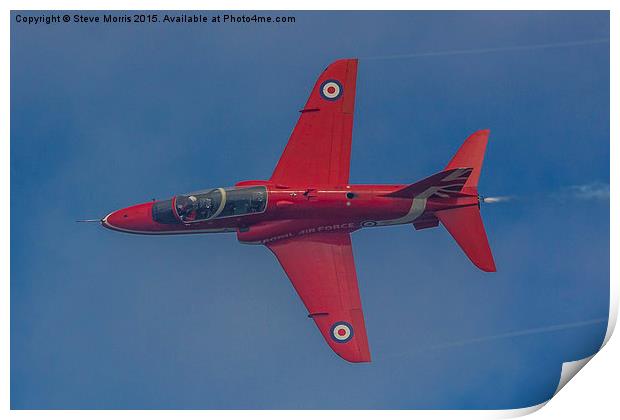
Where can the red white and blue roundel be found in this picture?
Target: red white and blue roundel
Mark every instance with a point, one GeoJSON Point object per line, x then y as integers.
{"type": "Point", "coordinates": [341, 332]}
{"type": "Point", "coordinates": [331, 89]}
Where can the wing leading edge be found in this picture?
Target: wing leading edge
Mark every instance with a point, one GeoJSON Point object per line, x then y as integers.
{"type": "Point", "coordinates": [322, 270]}
{"type": "Point", "coordinates": [319, 149]}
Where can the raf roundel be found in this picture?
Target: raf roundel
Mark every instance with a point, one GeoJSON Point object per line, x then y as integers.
{"type": "Point", "coordinates": [331, 90]}
{"type": "Point", "coordinates": [341, 332]}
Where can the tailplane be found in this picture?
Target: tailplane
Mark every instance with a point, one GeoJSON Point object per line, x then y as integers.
{"type": "Point", "coordinates": [465, 226]}
{"type": "Point", "coordinates": [464, 223]}
{"type": "Point", "coordinates": [455, 190]}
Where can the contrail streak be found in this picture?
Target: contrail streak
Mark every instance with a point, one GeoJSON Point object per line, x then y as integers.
{"type": "Point", "coordinates": [512, 334]}
{"type": "Point", "coordinates": [520, 333]}
{"type": "Point", "coordinates": [490, 50]}
{"type": "Point", "coordinates": [595, 191]}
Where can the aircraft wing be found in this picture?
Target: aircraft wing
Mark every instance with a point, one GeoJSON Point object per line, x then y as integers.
{"type": "Point", "coordinates": [322, 270]}
{"type": "Point", "coordinates": [319, 149]}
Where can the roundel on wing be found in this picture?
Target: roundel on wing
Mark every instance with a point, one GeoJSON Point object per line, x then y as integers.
{"type": "Point", "coordinates": [341, 332]}
{"type": "Point", "coordinates": [331, 90]}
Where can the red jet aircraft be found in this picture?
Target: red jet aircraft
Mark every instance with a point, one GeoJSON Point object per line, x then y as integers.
{"type": "Point", "coordinates": [305, 213]}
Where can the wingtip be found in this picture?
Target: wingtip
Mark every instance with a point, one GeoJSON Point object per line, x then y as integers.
{"type": "Point", "coordinates": [343, 60]}
{"type": "Point", "coordinates": [356, 354]}
{"type": "Point", "coordinates": [488, 267]}
{"type": "Point", "coordinates": [356, 359]}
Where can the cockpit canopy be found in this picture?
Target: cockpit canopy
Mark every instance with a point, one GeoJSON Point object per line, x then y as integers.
{"type": "Point", "coordinates": [211, 204]}
{"type": "Point", "coordinates": [193, 207]}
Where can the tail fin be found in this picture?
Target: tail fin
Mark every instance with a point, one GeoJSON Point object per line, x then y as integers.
{"type": "Point", "coordinates": [471, 155]}
{"type": "Point", "coordinates": [459, 178]}
{"type": "Point", "coordinates": [465, 226]}
{"type": "Point", "coordinates": [464, 223]}
{"type": "Point", "coordinates": [447, 183]}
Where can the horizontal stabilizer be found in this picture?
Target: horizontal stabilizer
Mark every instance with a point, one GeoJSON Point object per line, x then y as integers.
{"type": "Point", "coordinates": [465, 226]}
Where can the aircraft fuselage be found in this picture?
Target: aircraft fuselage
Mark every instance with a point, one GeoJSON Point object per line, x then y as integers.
{"type": "Point", "coordinates": [294, 211]}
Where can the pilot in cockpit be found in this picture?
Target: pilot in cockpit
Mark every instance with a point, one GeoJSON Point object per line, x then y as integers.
{"type": "Point", "coordinates": [205, 208]}
{"type": "Point", "coordinates": [186, 207]}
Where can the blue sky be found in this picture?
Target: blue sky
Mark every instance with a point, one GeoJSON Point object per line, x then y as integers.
{"type": "Point", "coordinates": [104, 116]}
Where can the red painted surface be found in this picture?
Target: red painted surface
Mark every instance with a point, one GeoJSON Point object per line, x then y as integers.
{"type": "Point", "coordinates": [324, 134]}
{"type": "Point", "coordinates": [137, 218]}
{"type": "Point", "coordinates": [310, 211]}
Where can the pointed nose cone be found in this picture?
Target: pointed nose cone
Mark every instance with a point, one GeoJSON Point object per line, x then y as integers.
{"type": "Point", "coordinates": [134, 219]}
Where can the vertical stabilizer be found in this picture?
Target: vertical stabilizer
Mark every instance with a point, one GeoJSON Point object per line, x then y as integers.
{"type": "Point", "coordinates": [471, 155]}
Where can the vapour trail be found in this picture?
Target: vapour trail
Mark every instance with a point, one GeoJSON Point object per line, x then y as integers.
{"type": "Point", "coordinates": [520, 333]}
{"type": "Point", "coordinates": [490, 50]}
{"type": "Point", "coordinates": [594, 191]}
{"type": "Point", "coordinates": [551, 328]}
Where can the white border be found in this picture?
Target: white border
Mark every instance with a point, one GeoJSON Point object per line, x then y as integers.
{"type": "Point", "coordinates": [595, 384]}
